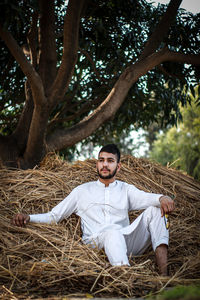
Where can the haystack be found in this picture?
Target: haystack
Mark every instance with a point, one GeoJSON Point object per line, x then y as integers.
{"type": "Point", "coordinates": [51, 261]}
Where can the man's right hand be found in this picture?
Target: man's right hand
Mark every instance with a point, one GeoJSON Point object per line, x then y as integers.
{"type": "Point", "coordinates": [20, 220]}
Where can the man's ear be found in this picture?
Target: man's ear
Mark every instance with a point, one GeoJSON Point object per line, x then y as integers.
{"type": "Point", "coordinates": [118, 166]}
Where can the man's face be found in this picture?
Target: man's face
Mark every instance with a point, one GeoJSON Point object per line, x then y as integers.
{"type": "Point", "coordinates": [107, 165]}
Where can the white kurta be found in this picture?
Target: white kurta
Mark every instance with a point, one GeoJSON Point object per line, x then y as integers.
{"type": "Point", "coordinates": [104, 212]}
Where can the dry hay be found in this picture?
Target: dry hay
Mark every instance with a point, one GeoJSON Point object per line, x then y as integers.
{"type": "Point", "coordinates": [43, 260]}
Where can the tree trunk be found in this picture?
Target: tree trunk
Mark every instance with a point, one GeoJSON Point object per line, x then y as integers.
{"type": "Point", "coordinates": [26, 147]}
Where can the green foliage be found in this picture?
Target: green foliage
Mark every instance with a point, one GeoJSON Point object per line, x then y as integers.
{"type": "Point", "coordinates": [180, 145]}
{"type": "Point", "coordinates": [180, 292]}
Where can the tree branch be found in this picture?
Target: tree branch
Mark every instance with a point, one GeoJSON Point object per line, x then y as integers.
{"type": "Point", "coordinates": [68, 137]}
{"type": "Point", "coordinates": [47, 44]}
{"type": "Point", "coordinates": [27, 68]}
{"type": "Point", "coordinates": [32, 39]}
{"type": "Point", "coordinates": [93, 65]}
{"type": "Point", "coordinates": [22, 130]}
{"type": "Point", "coordinates": [86, 107]}
{"type": "Point", "coordinates": [70, 48]}
{"type": "Point", "coordinates": [162, 29]}
{"type": "Point", "coordinates": [193, 59]}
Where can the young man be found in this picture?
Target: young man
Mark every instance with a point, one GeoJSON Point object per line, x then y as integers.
{"type": "Point", "coordinates": [103, 206]}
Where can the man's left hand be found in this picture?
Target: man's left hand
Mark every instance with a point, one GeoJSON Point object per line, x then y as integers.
{"type": "Point", "coordinates": [166, 205]}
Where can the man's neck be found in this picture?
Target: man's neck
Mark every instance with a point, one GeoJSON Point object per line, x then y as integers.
{"type": "Point", "coordinates": [107, 181]}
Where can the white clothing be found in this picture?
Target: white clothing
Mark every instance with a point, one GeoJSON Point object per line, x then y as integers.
{"type": "Point", "coordinates": [104, 210]}
{"type": "Point", "coordinates": [149, 228]}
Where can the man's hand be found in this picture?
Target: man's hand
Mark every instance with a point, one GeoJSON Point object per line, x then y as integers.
{"type": "Point", "coordinates": [20, 220]}
{"type": "Point", "coordinates": [166, 205]}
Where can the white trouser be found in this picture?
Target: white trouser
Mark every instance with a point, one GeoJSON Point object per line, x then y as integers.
{"type": "Point", "coordinates": [149, 228]}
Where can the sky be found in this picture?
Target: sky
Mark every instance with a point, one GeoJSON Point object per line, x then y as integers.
{"type": "Point", "coordinates": [190, 5]}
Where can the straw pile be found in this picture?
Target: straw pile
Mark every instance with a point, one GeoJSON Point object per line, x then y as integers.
{"type": "Point", "coordinates": [50, 260]}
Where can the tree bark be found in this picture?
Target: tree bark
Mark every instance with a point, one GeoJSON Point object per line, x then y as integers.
{"type": "Point", "coordinates": [22, 130]}
{"type": "Point", "coordinates": [36, 146]}
{"type": "Point", "coordinates": [32, 39]}
{"type": "Point", "coordinates": [47, 44]}
{"type": "Point", "coordinates": [70, 48]}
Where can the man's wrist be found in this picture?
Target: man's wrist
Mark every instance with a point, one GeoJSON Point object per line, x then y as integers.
{"type": "Point", "coordinates": [164, 197]}
{"type": "Point", "coordinates": [161, 197]}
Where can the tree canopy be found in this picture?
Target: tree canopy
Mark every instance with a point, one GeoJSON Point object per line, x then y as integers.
{"type": "Point", "coordinates": [87, 68]}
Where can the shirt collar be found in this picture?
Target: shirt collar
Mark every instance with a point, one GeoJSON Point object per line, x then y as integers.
{"type": "Point", "coordinates": [111, 185]}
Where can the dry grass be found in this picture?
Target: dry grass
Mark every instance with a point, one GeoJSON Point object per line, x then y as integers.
{"type": "Point", "coordinates": [50, 260]}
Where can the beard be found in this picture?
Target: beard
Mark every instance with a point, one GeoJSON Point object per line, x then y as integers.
{"type": "Point", "coordinates": [109, 176]}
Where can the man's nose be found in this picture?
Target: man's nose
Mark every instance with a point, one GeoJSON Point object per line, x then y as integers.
{"type": "Point", "coordinates": [105, 163]}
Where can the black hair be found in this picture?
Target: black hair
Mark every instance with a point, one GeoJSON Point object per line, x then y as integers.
{"type": "Point", "coordinates": [111, 148]}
